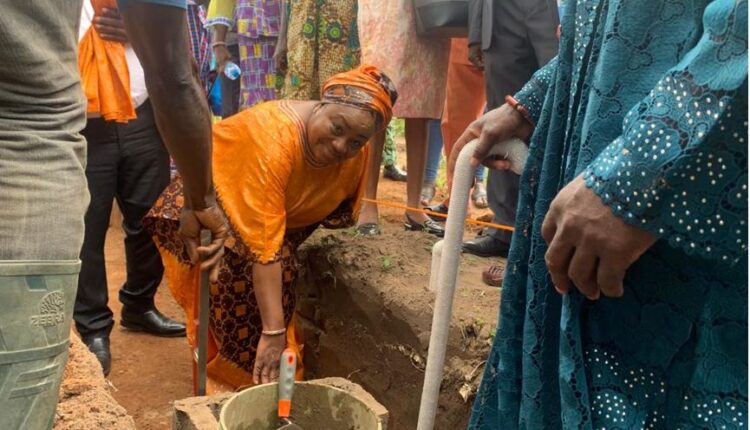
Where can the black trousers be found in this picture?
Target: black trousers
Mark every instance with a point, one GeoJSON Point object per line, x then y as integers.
{"type": "Point", "coordinates": [127, 163]}
{"type": "Point", "coordinates": [523, 39]}
{"type": "Point", "coordinates": [230, 89]}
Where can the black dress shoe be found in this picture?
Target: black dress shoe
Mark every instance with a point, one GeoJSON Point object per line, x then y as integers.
{"type": "Point", "coordinates": [440, 208]}
{"type": "Point", "coordinates": [99, 346]}
{"type": "Point", "coordinates": [151, 321]}
{"type": "Point", "coordinates": [393, 173]}
{"type": "Point", "coordinates": [368, 229]}
{"type": "Point", "coordinates": [428, 226]}
{"type": "Point", "coordinates": [486, 246]}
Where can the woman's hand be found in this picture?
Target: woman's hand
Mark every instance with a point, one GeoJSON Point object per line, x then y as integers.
{"type": "Point", "coordinates": [589, 246]}
{"type": "Point", "coordinates": [223, 56]}
{"type": "Point", "coordinates": [476, 56]}
{"type": "Point", "coordinates": [279, 59]}
{"type": "Point", "coordinates": [267, 358]}
{"type": "Point", "coordinates": [110, 27]}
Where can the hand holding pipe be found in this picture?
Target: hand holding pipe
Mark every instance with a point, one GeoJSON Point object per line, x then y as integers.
{"type": "Point", "coordinates": [443, 277]}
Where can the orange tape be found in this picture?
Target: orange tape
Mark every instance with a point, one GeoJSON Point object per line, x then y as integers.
{"type": "Point", "coordinates": [437, 214]}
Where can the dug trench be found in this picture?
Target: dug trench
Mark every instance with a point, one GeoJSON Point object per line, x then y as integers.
{"type": "Point", "coordinates": [365, 310]}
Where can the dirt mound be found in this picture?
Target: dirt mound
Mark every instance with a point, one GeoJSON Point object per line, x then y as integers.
{"type": "Point", "coordinates": [85, 400]}
{"type": "Point", "coordinates": [366, 311]}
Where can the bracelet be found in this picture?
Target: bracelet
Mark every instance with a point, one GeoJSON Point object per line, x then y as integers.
{"type": "Point", "coordinates": [215, 44]}
{"type": "Point", "coordinates": [273, 332]}
{"type": "Point", "coordinates": [512, 102]}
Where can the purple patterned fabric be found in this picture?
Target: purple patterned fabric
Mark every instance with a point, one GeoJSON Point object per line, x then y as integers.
{"type": "Point", "coordinates": [199, 39]}
{"type": "Point", "coordinates": [258, 70]}
{"type": "Point", "coordinates": [258, 18]}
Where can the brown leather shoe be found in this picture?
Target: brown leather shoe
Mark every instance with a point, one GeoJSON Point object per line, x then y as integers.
{"type": "Point", "coordinates": [493, 276]}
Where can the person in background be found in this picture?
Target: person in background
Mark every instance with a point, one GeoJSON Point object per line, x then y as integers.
{"type": "Point", "coordinates": [223, 53]}
{"type": "Point", "coordinates": [43, 198]}
{"type": "Point", "coordinates": [464, 103]}
{"type": "Point", "coordinates": [625, 301]}
{"type": "Point", "coordinates": [200, 44]}
{"type": "Point", "coordinates": [126, 162]}
{"type": "Point", "coordinates": [418, 67]}
{"type": "Point", "coordinates": [434, 151]}
{"type": "Point", "coordinates": [283, 168]}
{"type": "Point", "coordinates": [510, 40]}
{"type": "Point", "coordinates": [257, 24]}
{"type": "Point", "coordinates": [318, 39]}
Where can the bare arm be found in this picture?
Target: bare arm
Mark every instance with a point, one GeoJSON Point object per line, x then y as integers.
{"type": "Point", "coordinates": [279, 55]}
{"type": "Point", "coordinates": [267, 284]}
{"type": "Point", "coordinates": [159, 37]}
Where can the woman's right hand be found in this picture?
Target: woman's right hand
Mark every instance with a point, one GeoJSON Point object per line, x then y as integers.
{"type": "Point", "coordinates": [279, 59]}
{"type": "Point", "coordinates": [267, 358]}
{"type": "Point", "coordinates": [494, 127]}
{"type": "Point", "coordinates": [223, 56]}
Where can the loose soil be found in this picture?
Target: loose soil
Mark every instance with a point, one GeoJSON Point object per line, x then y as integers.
{"type": "Point", "coordinates": [366, 312]}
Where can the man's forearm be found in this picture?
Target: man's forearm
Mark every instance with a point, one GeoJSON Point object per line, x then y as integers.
{"type": "Point", "coordinates": [159, 37]}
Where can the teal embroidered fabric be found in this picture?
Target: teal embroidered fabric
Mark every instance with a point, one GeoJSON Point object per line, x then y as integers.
{"type": "Point", "coordinates": [647, 99]}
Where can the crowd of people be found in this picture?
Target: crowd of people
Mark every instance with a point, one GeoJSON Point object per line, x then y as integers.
{"type": "Point", "coordinates": [624, 300]}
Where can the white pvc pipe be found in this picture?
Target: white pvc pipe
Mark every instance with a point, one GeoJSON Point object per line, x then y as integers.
{"type": "Point", "coordinates": [437, 253]}
{"type": "Point", "coordinates": [444, 276]}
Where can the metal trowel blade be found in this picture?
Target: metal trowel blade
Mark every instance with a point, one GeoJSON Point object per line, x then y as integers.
{"type": "Point", "coordinates": [288, 425]}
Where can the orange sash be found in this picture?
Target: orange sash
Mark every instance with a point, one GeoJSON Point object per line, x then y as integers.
{"type": "Point", "coordinates": [104, 73]}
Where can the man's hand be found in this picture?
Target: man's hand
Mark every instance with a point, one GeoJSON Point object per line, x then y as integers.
{"type": "Point", "coordinates": [266, 367]}
{"type": "Point", "coordinates": [110, 27]}
{"type": "Point", "coordinates": [494, 127]}
{"type": "Point", "coordinates": [223, 56]}
{"type": "Point", "coordinates": [589, 246]}
{"type": "Point", "coordinates": [476, 56]}
{"type": "Point", "coordinates": [191, 223]}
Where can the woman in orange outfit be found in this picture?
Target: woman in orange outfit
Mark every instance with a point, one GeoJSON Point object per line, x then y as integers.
{"type": "Point", "coordinates": [281, 169]}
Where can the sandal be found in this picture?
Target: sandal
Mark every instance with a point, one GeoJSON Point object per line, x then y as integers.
{"type": "Point", "coordinates": [479, 195]}
{"type": "Point", "coordinates": [368, 229]}
{"type": "Point", "coordinates": [429, 226]}
{"type": "Point", "coordinates": [493, 276]}
{"type": "Point", "coordinates": [428, 193]}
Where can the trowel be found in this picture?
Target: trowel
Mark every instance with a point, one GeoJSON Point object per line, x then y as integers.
{"type": "Point", "coordinates": [287, 369]}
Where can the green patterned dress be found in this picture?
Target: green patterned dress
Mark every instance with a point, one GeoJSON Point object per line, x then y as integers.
{"type": "Point", "coordinates": [322, 40]}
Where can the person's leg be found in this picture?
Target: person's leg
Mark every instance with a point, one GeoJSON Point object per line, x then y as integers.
{"type": "Point", "coordinates": [416, 157]}
{"type": "Point", "coordinates": [43, 198]}
{"type": "Point", "coordinates": [434, 150]}
{"type": "Point", "coordinates": [368, 215]}
{"type": "Point", "coordinates": [390, 157]}
{"type": "Point", "coordinates": [143, 177]}
{"type": "Point", "coordinates": [464, 98]}
{"type": "Point", "coordinates": [92, 315]}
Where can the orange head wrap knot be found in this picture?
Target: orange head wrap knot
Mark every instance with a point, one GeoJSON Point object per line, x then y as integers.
{"type": "Point", "coordinates": [365, 87]}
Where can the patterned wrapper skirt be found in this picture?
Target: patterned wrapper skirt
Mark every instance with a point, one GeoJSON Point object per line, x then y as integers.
{"type": "Point", "coordinates": [234, 320]}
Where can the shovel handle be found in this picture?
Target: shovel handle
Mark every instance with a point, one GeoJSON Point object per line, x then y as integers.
{"type": "Point", "coordinates": [287, 369]}
{"type": "Point", "coordinates": [203, 322]}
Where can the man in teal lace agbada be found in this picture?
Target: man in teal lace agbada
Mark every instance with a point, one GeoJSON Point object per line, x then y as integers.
{"type": "Point", "coordinates": [625, 300]}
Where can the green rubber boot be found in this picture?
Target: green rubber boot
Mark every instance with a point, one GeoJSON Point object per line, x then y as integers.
{"type": "Point", "coordinates": [36, 309]}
